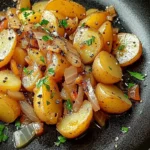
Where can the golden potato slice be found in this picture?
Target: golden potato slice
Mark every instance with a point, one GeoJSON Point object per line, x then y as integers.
{"type": "Point", "coordinates": [106, 68]}
{"type": "Point", "coordinates": [9, 81]}
{"type": "Point", "coordinates": [91, 10]}
{"type": "Point", "coordinates": [57, 67]}
{"type": "Point", "coordinates": [88, 43]}
{"type": "Point", "coordinates": [112, 99]}
{"type": "Point", "coordinates": [47, 101]}
{"type": "Point", "coordinates": [30, 76]}
{"type": "Point", "coordinates": [107, 32]}
{"type": "Point", "coordinates": [75, 124]}
{"type": "Point", "coordinates": [8, 41]}
{"type": "Point", "coordinates": [94, 20]}
{"type": "Point", "coordinates": [9, 108]}
{"type": "Point", "coordinates": [53, 18]}
{"type": "Point", "coordinates": [39, 6]}
{"type": "Point", "coordinates": [127, 49]}
{"type": "Point", "coordinates": [30, 16]}
{"type": "Point", "coordinates": [67, 8]}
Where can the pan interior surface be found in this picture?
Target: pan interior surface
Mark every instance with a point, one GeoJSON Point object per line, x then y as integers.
{"type": "Point", "coordinates": [134, 17]}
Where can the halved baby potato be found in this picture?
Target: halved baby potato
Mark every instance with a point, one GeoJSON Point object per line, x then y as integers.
{"type": "Point", "coordinates": [106, 68]}
{"type": "Point", "coordinates": [39, 6]}
{"type": "Point", "coordinates": [94, 20]}
{"type": "Point", "coordinates": [88, 42]}
{"type": "Point", "coordinates": [8, 40]}
{"type": "Point", "coordinates": [9, 81]}
{"type": "Point", "coordinates": [107, 32]}
{"type": "Point", "coordinates": [127, 49]}
{"type": "Point", "coordinates": [73, 125]}
{"type": "Point", "coordinates": [47, 101]}
{"type": "Point", "coordinates": [53, 17]}
{"type": "Point", "coordinates": [67, 8]}
{"type": "Point", "coordinates": [9, 108]}
{"type": "Point", "coordinates": [112, 99]}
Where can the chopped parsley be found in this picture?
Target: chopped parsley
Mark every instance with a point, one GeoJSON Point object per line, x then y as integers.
{"type": "Point", "coordinates": [26, 14]}
{"type": "Point", "coordinates": [126, 96]}
{"type": "Point", "coordinates": [42, 59]}
{"type": "Point", "coordinates": [137, 75]}
{"type": "Point", "coordinates": [17, 124]}
{"type": "Point", "coordinates": [47, 37]}
{"type": "Point", "coordinates": [110, 68]}
{"type": "Point", "coordinates": [44, 22]}
{"type": "Point", "coordinates": [124, 129]}
{"type": "Point", "coordinates": [43, 81]}
{"type": "Point", "coordinates": [47, 102]}
{"type": "Point", "coordinates": [60, 140]}
{"type": "Point", "coordinates": [24, 9]}
{"type": "Point", "coordinates": [27, 72]}
{"type": "Point", "coordinates": [130, 85]}
{"type": "Point", "coordinates": [51, 71]}
{"type": "Point", "coordinates": [52, 95]}
{"type": "Point", "coordinates": [69, 105]}
{"type": "Point", "coordinates": [63, 23]}
{"type": "Point", "coordinates": [83, 25]}
{"type": "Point", "coordinates": [121, 47]}
{"type": "Point", "coordinates": [3, 134]}
{"type": "Point", "coordinates": [90, 41]}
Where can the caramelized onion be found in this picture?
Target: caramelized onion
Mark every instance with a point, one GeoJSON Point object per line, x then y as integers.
{"type": "Point", "coordinates": [16, 95]}
{"type": "Point", "coordinates": [133, 93]}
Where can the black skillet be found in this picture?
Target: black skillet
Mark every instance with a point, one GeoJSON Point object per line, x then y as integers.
{"type": "Point", "coordinates": [134, 17]}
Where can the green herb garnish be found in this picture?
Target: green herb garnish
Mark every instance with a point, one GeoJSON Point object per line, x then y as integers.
{"type": "Point", "coordinates": [63, 23]}
{"type": "Point", "coordinates": [47, 37]}
{"type": "Point", "coordinates": [124, 129]}
{"type": "Point", "coordinates": [27, 72]}
{"type": "Point", "coordinates": [26, 14]}
{"type": "Point", "coordinates": [52, 95]}
{"type": "Point", "coordinates": [17, 124]}
{"type": "Point", "coordinates": [130, 85]}
{"type": "Point", "coordinates": [51, 71]}
{"type": "Point", "coordinates": [90, 41]}
{"type": "Point", "coordinates": [121, 47]}
{"type": "Point", "coordinates": [42, 59]}
{"type": "Point", "coordinates": [44, 22]}
{"type": "Point", "coordinates": [47, 102]}
{"type": "Point", "coordinates": [83, 25]}
{"type": "Point", "coordinates": [110, 68]}
{"type": "Point", "coordinates": [3, 134]}
{"type": "Point", "coordinates": [126, 96]}
{"type": "Point", "coordinates": [69, 105]}
{"type": "Point", "coordinates": [24, 9]}
{"type": "Point", "coordinates": [137, 75]}
{"type": "Point", "coordinates": [43, 81]}
{"type": "Point", "coordinates": [60, 140]}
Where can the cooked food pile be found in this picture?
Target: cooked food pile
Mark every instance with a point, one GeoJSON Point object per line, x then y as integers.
{"type": "Point", "coordinates": [59, 65]}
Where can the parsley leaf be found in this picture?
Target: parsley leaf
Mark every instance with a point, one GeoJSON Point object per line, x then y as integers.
{"type": "Point", "coordinates": [126, 96]}
{"type": "Point", "coordinates": [51, 71]}
{"type": "Point", "coordinates": [130, 85]}
{"type": "Point", "coordinates": [47, 102]}
{"type": "Point", "coordinates": [43, 81]}
{"type": "Point", "coordinates": [47, 37]}
{"type": "Point", "coordinates": [27, 72]}
{"type": "Point", "coordinates": [3, 136]}
{"type": "Point", "coordinates": [44, 22]}
{"type": "Point", "coordinates": [24, 9]}
{"type": "Point", "coordinates": [90, 41]}
{"type": "Point", "coordinates": [17, 124]}
{"type": "Point", "coordinates": [69, 105]}
{"type": "Point", "coordinates": [42, 59]}
{"type": "Point", "coordinates": [137, 75]}
{"type": "Point", "coordinates": [60, 140]}
{"type": "Point", "coordinates": [2, 127]}
{"type": "Point", "coordinates": [110, 68]}
{"type": "Point", "coordinates": [26, 14]}
{"type": "Point", "coordinates": [52, 95]}
{"type": "Point", "coordinates": [124, 129]}
{"type": "Point", "coordinates": [83, 25]}
{"type": "Point", "coordinates": [63, 23]}
{"type": "Point", "coordinates": [121, 47]}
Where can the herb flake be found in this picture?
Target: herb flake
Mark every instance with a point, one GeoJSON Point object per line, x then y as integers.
{"type": "Point", "coordinates": [27, 72]}
{"type": "Point", "coordinates": [63, 23]}
{"type": "Point", "coordinates": [130, 85]}
{"type": "Point", "coordinates": [47, 102]}
{"type": "Point", "coordinates": [42, 59]}
{"type": "Point", "coordinates": [137, 75]}
{"type": "Point", "coordinates": [126, 96]}
{"type": "Point", "coordinates": [60, 140]}
{"type": "Point", "coordinates": [121, 47]}
{"type": "Point", "coordinates": [69, 105]}
{"type": "Point", "coordinates": [90, 41]}
{"type": "Point", "coordinates": [3, 134]}
{"type": "Point", "coordinates": [17, 124]}
{"type": "Point", "coordinates": [124, 129]}
{"type": "Point", "coordinates": [24, 9]}
{"type": "Point", "coordinates": [43, 81]}
{"type": "Point", "coordinates": [44, 22]}
{"type": "Point", "coordinates": [51, 71]}
{"type": "Point", "coordinates": [47, 38]}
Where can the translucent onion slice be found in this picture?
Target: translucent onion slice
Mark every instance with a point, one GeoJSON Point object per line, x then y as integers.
{"type": "Point", "coordinates": [16, 95]}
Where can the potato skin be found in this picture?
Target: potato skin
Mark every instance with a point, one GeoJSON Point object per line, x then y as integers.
{"type": "Point", "coordinates": [112, 99]}
{"type": "Point", "coordinates": [88, 51]}
{"type": "Point", "coordinates": [73, 125]}
{"type": "Point", "coordinates": [9, 108]}
{"type": "Point", "coordinates": [106, 68]}
{"type": "Point", "coordinates": [48, 104]}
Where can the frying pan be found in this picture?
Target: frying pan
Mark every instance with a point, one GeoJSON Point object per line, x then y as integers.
{"type": "Point", "coordinates": [134, 17]}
